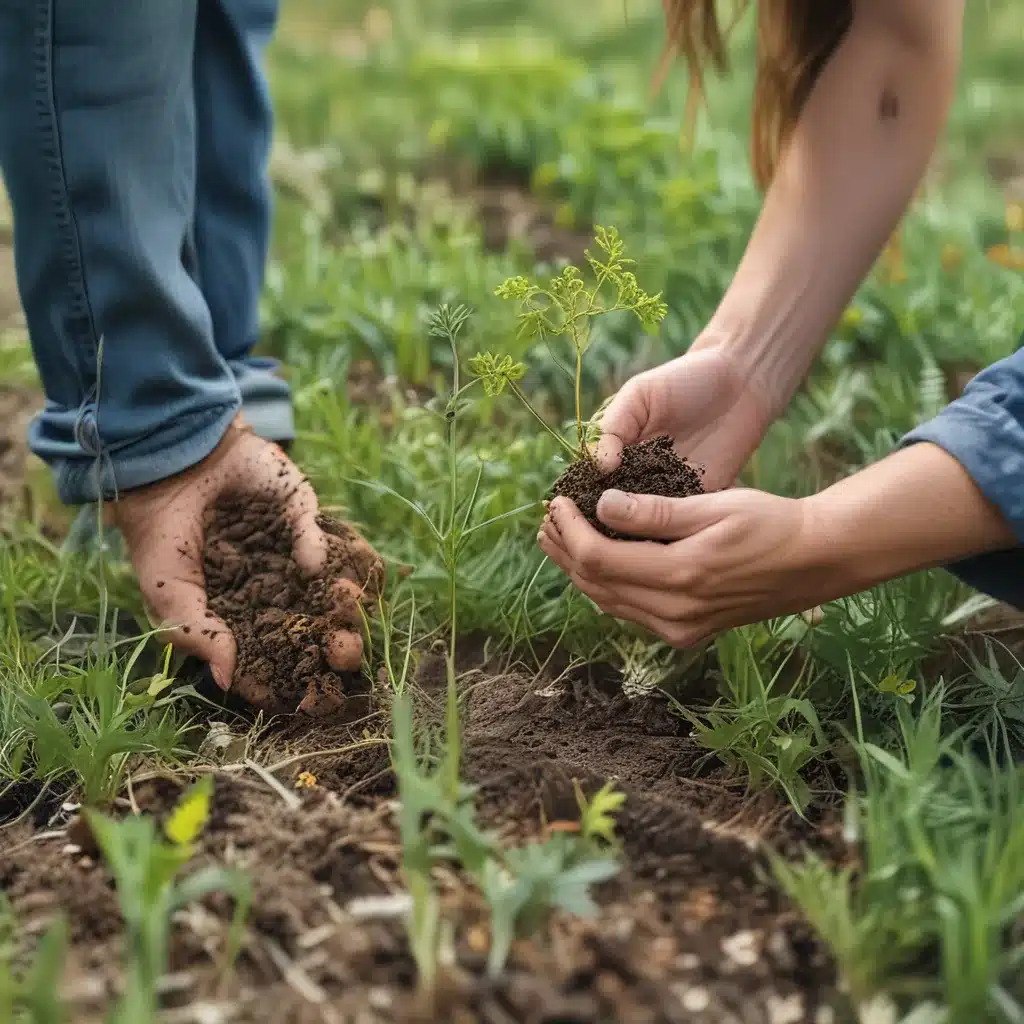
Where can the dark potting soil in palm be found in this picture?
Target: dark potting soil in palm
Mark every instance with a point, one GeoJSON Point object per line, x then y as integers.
{"type": "Point", "coordinates": [281, 619]}
{"type": "Point", "coordinates": [647, 467]}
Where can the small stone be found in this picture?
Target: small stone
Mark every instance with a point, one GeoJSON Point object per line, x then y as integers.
{"type": "Point", "coordinates": [785, 1010]}
{"type": "Point", "coordinates": [662, 949]}
{"type": "Point", "coordinates": [379, 998]}
{"type": "Point", "coordinates": [781, 951]}
{"type": "Point", "coordinates": [741, 948]}
{"type": "Point", "coordinates": [694, 998]}
{"type": "Point", "coordinates": [688, 961]}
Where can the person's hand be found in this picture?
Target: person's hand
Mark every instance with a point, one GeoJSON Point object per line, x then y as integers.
{"type": "Point", "coordinates": [703, 401]}
{"type": "Point", "coordinates": [738, 556]}
{"type": "Point", "coordinates": [163, 528]}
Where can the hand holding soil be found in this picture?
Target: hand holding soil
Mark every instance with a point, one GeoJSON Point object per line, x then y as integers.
{"type": "Point", "coordinates": [236, 557]}
{"type": "Point", "coordinates": [702, 401]}
{"type": "Point", "coordinates": [735, 557]}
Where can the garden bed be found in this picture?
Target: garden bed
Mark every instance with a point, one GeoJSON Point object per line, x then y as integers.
{"type": "Point", "coordinates": [692, 929]}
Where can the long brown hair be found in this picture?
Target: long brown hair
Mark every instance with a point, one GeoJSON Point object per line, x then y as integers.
{"type": "Point", "coordinates": [795, 39]}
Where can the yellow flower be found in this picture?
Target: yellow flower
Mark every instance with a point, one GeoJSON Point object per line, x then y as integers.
{"type": "Point", "coordinates": [306, 780]}
{"type": "Point", "coordinates": [439, 132]}
{"type": "Point", "coordinates": [852, 318]}
{"type": "Point", "coordinates": [951, 257]}
{"type": "Point", "coordinates": [545, 176]}
{"type": "Point", "coordinates": [187, 819]}
{"type": "Point", "coordinates": [1006, 256]}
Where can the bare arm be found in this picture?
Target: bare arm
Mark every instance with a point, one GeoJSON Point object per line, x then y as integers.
{"type": "Point", "coordinates": [850, 170]}
{"type": "Point", "coordinates": [869, 527]}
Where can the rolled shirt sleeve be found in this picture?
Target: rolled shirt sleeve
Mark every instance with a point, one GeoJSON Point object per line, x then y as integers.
{"type": "Point", "coordinates": [984, 431]}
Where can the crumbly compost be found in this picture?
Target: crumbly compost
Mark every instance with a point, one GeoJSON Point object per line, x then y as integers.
{"type": "Point", "coordinates": [285, 623]}
{"type": "Point", "coordinates": [647, 467]}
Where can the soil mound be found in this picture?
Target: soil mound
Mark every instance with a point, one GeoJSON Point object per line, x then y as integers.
{"type": "Point", "coordinates": [647, 467]}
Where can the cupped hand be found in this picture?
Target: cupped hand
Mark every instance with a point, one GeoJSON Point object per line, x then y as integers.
{"type": "Point", "coordinates": [163, 527]}
{"type": "Point", "coordinates": [736, 557]}
{"type": "Point", "coordinates": [703, 401]}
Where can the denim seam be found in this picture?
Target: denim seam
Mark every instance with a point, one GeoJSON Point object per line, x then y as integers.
{"type": "Point", "coordinates": [70, 240]}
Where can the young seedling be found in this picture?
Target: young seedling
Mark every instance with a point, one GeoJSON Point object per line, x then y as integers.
{"type": "Point", "coordinates": [567, 308]}
{"type": "Point", "coordinates": [145, 869]}
{"type": "Point", "coordinates": [521, 885]}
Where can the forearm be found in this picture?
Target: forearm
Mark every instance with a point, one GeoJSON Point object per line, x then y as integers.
{"type": "Point", "coordinates": [850, 169]}
{"type": "Point", "coordinates": [917, 509]}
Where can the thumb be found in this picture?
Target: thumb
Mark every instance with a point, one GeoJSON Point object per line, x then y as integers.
{"type": "Point", "coordinates": [622, 423]}
{"type": "Point", "coordinates": [175, 598]}
{"type": "Point", "coordinates": [654, 516]}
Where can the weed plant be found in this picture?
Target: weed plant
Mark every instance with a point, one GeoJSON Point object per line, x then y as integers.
{"type": "Point", "coordinates": [566, 308]}
{"type": "Point", "coordinates": [146, 866]}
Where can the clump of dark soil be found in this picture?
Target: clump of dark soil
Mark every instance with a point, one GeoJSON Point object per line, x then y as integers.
{"type": "Point", "coordinates": [647, 467]}
{"type": "Point", "coordinates": [299, 639]}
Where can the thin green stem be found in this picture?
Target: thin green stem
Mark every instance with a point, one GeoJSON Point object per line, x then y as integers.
{"type": "Point", "coordinates": [540, 419]}
{"type": "Point", "coordinates": [579, 401]}
{"type": "Point", "coordinates": [452, 730]}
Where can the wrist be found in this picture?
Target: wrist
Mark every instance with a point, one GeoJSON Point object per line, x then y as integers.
{"type": "Point", "coordinates": [748, 383]}
{"type": "Point", "coordinates": [772, 341]}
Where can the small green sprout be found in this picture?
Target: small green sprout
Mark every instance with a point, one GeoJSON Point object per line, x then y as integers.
{"type": "Point", "coordinates": [145, 867]}
{"type": "Point", "coordinates": [567, 307]}
{"type": "Point", "coordinates": [597, 815]}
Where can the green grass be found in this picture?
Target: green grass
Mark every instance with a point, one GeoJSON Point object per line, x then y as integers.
{"type": "Point", "coordinates": [375, 233]}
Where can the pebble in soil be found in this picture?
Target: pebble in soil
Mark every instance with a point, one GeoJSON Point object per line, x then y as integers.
{"type": "Point", "coordinates": [293, 632]}
{"type": "Point", "coordinates": [647, 467]}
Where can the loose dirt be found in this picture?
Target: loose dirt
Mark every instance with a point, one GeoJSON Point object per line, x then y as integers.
{"type": "Point", "coordinates": [647, 467]}
{"type": "Point", "coordinates": [691, 930]}
{"type": "Point", "coordinates": [293, 632]}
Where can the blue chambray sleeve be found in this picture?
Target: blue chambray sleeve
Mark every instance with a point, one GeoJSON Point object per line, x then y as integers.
{"type": "Point", "coordinates": [984, 431]}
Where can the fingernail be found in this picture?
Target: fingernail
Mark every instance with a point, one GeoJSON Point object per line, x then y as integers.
{"type": "Point", "coordinates": [218, 678]}
{"type": "Point", "coordinates": [618, 504]}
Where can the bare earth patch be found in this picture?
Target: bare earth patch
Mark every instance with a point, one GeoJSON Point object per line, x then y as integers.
{"type": "Point", "coordinates": [691, 930]}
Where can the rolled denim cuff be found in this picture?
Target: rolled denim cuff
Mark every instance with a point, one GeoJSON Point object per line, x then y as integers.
{"type": "Point", "coordinates": [84, 472]}
{"type": "Point", "coordinates": [266, 398]}
{"type": "Point", "coordinates": [984, 432]}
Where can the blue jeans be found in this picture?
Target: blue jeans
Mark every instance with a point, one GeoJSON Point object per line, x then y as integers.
{"type": "Point", "coordinates": [134, 143]}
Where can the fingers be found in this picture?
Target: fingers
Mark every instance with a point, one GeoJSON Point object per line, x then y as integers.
{"type": "Point", "coordinates": [345, 651]}
{"type": "Point", "coordinates": [309, 543]}
{"type": "Point", "coordinates": [595, 555]}
{"type": "Point", "coordinates": [175, 598]}
{"type": "Point", "coordinates": [649, 609]}
{"type": "Point", "coordinates": [622, 423]}
{"type": "Point", "coordinates": [654, 516]}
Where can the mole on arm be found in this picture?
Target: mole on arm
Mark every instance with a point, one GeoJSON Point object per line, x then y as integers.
{"type": "Point", "coordinates": [889, 106]}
